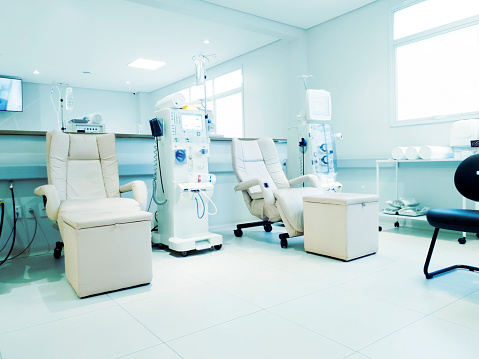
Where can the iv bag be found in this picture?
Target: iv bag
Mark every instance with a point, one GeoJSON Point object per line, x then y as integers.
{"type": "Point", "coordinates": [69, 99]}
{"type": "Point", "coordinates": [200, 61]}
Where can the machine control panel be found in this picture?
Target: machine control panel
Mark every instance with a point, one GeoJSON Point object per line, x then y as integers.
{"type": "Point", "coordinates": [188, 126]}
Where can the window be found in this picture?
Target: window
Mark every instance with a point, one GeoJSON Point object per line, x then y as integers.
{"type": "Point", "coordinates": [435, 60]}
{"type": "Point", "coordinates": [224, 97]}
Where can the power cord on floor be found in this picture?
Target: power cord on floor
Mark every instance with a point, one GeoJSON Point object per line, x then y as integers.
{"type": "Point", "coordinates": [34, 234]}
{"type": "Point", "coordinates": [14, 227]}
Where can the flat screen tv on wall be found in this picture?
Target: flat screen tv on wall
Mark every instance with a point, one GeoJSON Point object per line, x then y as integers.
{"type": "Point", "coordinates": [11, 94]}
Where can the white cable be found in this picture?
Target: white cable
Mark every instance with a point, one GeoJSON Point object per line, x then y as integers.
{"type": "Point", "coordinates": [209, 199]}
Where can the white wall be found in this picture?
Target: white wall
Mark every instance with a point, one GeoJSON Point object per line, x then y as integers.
{"type": "Point", "coordinates": [349, 56]}
{"type": "Point", "coordinates": [120, 110]}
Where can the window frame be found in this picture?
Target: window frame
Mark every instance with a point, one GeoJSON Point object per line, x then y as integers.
{"type": "Point", "coordinates": [394, 44]}
{"type": "Point", "coordinates": [215, 97]}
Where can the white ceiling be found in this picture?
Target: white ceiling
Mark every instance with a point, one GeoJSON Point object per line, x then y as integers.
{"type": "Point", "coordinates": [64, 38]}
{"type": "Point", "coordinates": [300, 13]}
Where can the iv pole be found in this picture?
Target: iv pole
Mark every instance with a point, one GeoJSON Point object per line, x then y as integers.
{"type": "Point", "coordinates": [69, 96]}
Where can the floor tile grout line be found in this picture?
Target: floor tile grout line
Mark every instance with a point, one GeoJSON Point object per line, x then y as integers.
{"type": "Point", "coordinates": [452, 322]}
{"type": "Point", "coordinates": [143, 325]}
{"type": "Point", "coordinates": [61, 319]}
{"type": "Point", "coordinates": [311, 330]}
{"type": "Point", "coordinates": [215, 325]}
{"type": "Point", "coordinates": [394, 332]}
{"type": "Point", "coordinates": [140, 350]}
{"type": "Point", "coordinates": [200, 330]}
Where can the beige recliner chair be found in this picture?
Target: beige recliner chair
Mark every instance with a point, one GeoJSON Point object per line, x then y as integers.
{"type": "Point", "coordinates": [107, 238]}
{"type": "Point", "coordinates": [267, 192]}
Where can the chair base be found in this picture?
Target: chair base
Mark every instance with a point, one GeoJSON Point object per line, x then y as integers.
{"type": "Point", "coordinates": [283, 237]}
{"type": "Point", "coordinates": [430, 275]}
{"type": "Point", "coordinates": [239, 227]}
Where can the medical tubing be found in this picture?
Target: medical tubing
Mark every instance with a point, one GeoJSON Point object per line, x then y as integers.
{"type": "Point", "coordinates": [14, 227]}
{"type": "Point", "coordinates": [196, 193]}
{"type": "Point", "coordinates": [209, 199]}
{"type": "Point", "coordinates": [31, 241]}
{"type": "Point", "coordinates": [149, 204]}
{"type": "Point", "coordinates": [157, 164]}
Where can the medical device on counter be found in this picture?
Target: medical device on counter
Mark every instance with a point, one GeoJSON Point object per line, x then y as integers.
{"type": "Point", "coordinates": [183, 186]}
{"type": "Point", "coordinates": [88, 124]}
{"type": "Point", "coordinates": [311, 145]}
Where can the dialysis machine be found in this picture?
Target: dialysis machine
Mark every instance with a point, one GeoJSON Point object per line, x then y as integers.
{"type": "Point", "coordinates": [311, 145]}
{"type": "Point", "coordinates": [183, 186]}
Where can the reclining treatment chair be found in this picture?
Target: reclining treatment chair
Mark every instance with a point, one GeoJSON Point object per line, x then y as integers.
{"type": "Point", "coordinates": [106, 237]}
{"type": "Point", "coordinates": [466, 180]}
{"type": "Point", "coordinates": [266, 190]}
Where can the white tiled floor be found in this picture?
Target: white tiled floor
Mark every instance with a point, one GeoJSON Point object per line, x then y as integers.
{"type": "Point", "coordinates": [252, 299]}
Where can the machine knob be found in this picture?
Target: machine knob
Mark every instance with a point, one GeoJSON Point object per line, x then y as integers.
{"type": "Point", "coordinates": [324, 159]}
{"type": "Point", "coordinates": [180, 156]}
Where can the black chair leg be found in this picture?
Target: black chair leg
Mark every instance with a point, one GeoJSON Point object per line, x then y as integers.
{"type": "Point", "coordinates": [428, 274]}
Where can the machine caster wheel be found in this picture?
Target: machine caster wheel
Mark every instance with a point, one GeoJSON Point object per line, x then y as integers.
{"type": "Point", "coordinates": [160, 245]}
{"type": "Point", "coordinates": [380, 228]}
{"type": "Point", "coordinates": [462, 240]}
{"type": "Point", "coordinates": [396, 224]}
{"type": "Point", "coordinates": [184, 253]}
{"type": "Point", "coordinates": [268, 227]}
{"type": "Point", "coordinates": [284, 240]}
{"type": "Point", "coordinates": [238, 232]}
{"type": "Point", "coordinates": [57, 252]}
{"type": "Point", "coordinates": [218, 247]}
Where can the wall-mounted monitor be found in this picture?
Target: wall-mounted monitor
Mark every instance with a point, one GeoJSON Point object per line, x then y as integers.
{"type": "Point", "coordinates": [11, 95]}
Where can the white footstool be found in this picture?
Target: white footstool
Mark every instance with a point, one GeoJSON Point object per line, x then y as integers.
{"type": "Point", "coordinates": [106, 252]}
{"type": "Point", "coordinates": [341, 225]}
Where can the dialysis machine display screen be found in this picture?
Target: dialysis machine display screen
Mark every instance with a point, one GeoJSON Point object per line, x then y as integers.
{"type": "Point", "coordinates": [11, 98]}
{"type": "Point", "coordinates": [192, 122]}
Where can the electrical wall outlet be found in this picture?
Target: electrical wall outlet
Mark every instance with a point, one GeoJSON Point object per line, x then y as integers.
{"type": "Point", "coordinates": [18, 212]}
{"type": "Point", "coordinates": [41, 212]}
{"type": "Point", "coordinates": [28, 211]}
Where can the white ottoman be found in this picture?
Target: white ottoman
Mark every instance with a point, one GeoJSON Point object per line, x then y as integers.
{"type": "Point", "coordinates": [341, 225]}
{"type": "Point", "coordinates": [107, 251]}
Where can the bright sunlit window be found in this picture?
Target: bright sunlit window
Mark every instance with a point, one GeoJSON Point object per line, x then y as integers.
{"type": "Point", "coordinates": [436, 61]}
{"type": "Point", "coordinates": [224, 97]}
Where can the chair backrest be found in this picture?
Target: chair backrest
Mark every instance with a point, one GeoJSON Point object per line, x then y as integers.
{"type": "Point", "coordinates": [466, 178]}
{"type": "Point", "coordinates": [82, 166]}
{"type": "Point", "coordinates": [258, 159]}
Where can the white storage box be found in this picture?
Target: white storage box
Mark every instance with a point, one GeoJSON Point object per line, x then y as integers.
{"type": "Point", "coordinates": [341, 225]}
{"type": "Point", "coordinates": [106, 252]}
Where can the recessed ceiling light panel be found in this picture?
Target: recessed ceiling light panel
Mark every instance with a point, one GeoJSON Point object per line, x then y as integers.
{"type": "Point", "coordinates": [147, 64]}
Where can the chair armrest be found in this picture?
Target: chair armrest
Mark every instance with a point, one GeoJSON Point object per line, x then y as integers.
{"type": "Point", "coordinates": [312, 179]}
{"type": "Point", "coordinates": [266, 191]}
{"type": "Point", "coordinates": [53, 202]}
{"type": "Point", "coordinates": [140, 193]}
